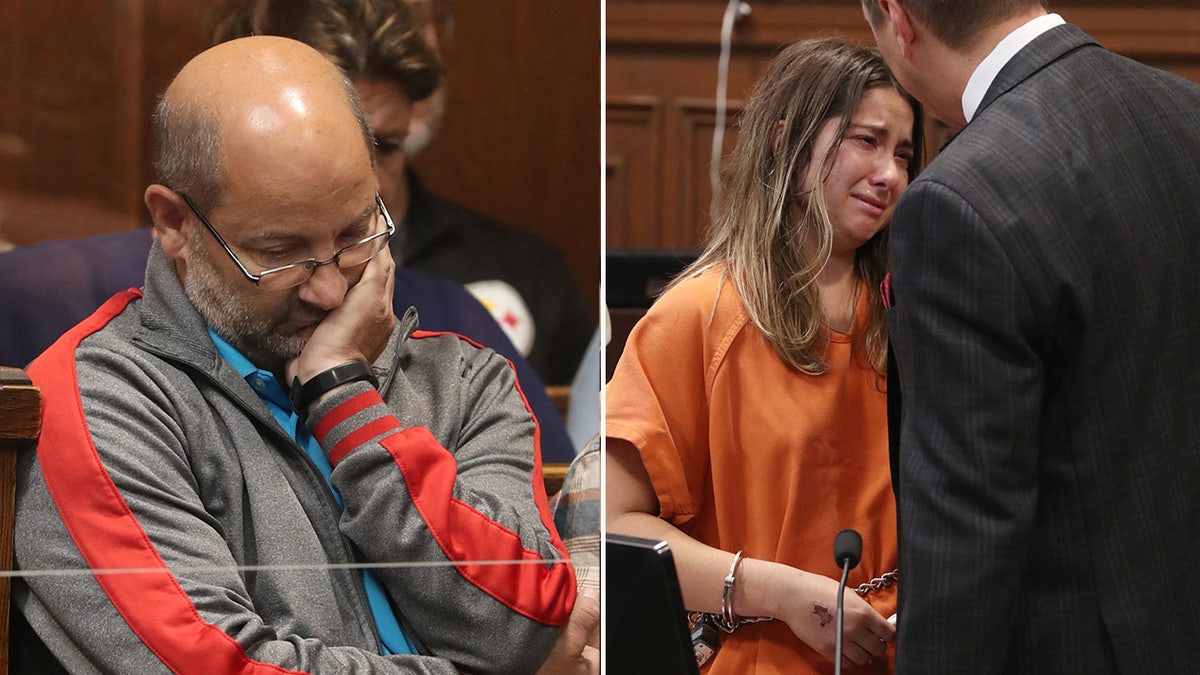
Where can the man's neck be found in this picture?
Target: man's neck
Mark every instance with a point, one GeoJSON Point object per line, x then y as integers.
{"type": "Point", "coordinates": [941, 72]}
{"type": "Point", "coordinates": [982, 47]}
{"type": "Point", "coordinates": [945, 84]}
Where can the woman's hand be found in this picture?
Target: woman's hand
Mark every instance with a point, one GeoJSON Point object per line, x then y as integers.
{"type": "Point", "coordinates": [806, 602]}
{"type": "Point", "coordinates": [810, 609]}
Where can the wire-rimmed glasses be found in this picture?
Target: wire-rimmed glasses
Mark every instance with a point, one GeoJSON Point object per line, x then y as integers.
{"type": "Point", "coordinates": [294, 274]}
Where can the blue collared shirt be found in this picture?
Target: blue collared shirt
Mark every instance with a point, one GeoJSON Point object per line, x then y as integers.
{"type": "Point", "coordinates": [391, 636]}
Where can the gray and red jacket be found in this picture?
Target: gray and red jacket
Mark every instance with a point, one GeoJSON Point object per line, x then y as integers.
{"type": "Point", "coordinates": [158, 459]}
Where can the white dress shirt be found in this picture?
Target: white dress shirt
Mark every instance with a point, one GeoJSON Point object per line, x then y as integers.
{"type": "Point", "coordinates": [987, 70]}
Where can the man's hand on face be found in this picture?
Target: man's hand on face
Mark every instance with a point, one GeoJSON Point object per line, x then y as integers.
{"type": "Point", "coordinates": [355, 330]}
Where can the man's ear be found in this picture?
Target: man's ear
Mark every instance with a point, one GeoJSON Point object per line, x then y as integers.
{"type": "Point", "coordinates": [170, 216]}
{"type": "Point", "coordinates": [900, 24]}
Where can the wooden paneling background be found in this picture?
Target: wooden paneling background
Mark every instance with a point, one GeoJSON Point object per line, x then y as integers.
{"type": "Point", "coordinates": [78, 80]}
{"type": "Point", "coordinates": [661, 76]}
{"type": "Point", "coordinates": [521, 140]}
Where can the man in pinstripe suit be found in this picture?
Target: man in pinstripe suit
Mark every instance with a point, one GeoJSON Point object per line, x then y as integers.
{"type": "Point", "coordinates": [1046, 323]}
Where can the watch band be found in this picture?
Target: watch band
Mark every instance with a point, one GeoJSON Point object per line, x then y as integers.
{"type": "Point", "coordinates": [303, 395]}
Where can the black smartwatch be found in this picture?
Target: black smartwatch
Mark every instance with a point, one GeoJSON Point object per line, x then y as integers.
{"type": "Point", "coordinates": [302, 395]}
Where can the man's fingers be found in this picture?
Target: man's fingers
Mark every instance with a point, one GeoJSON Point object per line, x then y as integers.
{"type": "Point", "coordinates": [585, 618]}
{"type": "Point", "coordinates": [572, 655]}
{"type": "Point", "coordinates": [591, 661]}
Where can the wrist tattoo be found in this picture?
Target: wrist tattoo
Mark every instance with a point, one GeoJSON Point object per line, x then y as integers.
{"type": "Point", "coordinates": [822, 614]}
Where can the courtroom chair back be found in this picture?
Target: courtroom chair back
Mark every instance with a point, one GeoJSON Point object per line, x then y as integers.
{"type": "Point", "coordinates": [53, 285]}
{"type": "Point", "coordinates": [20, 426]}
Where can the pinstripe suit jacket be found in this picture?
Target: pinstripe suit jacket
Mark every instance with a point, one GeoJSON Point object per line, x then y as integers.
{"type": "Point", "coordinates": [1046, 331]}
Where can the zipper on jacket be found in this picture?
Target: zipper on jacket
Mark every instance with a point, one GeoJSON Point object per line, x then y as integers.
{"type": "Point", "coordinates": [363, 606]}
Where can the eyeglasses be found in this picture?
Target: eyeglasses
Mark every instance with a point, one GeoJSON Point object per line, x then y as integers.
{"type": "Point", "coordinates": [294, 274]}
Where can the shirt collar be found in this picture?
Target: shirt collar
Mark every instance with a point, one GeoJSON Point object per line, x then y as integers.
{"type": "Point", "coordinates": [261, 381]}
{"type": "Point", "coordinates": [230, 353]}
{"type": "Point", "coordinates": [990, 67]}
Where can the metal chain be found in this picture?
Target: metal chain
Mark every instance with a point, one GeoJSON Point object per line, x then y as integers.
{"type": "Point", "coordinates": [879, 583]}
{"type": "Point", "coordinates": [717, 621]}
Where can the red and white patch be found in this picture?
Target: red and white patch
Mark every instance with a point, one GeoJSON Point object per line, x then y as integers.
{"type": "Point", "coordinates": [509, 310]}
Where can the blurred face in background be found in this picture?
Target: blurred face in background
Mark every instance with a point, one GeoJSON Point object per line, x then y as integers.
{"type": "Point", "coordinates": [427, 113]}
{"type": "Point", "coordinates": [390, 114]}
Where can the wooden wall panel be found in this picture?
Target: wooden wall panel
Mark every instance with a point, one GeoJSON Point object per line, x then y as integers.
{"type": "Point", "coordinates": [521, 140]}
{"type": "Point", "coordinates": [54, 104]}
{"type": "Point", "coordinates": [633, 170]}
{"type": "Point", "coordinates": [79, 82]}
{"type": "Point", "coordinates": [668, 49]}
{"type": "Point", "coordinates": [684, 87]}
{"type": "Point", "coordinates": [178, 30]}
{"type": "Point", "coordinates": [698, 124]}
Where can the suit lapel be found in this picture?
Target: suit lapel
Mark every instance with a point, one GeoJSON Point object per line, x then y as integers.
{"type": "Point", "coordinates": [1047, 48]}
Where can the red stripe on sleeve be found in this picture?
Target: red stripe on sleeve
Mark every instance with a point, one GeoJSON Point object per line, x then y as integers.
{"type": "Point", "coordinates": [538, 484]}
{"type": "Point", "coordinates": [434, 333]}
{"type": "Point", "coordinates": [344, 412]}
{"type": "Point", "coordinates": [360, 436]}
{"type": "Point", "coordinates": [107, 533]}
{"type": "Point", "coordinates": [464, 534]}
{"type": "Point", "coordinates": [539, 490]}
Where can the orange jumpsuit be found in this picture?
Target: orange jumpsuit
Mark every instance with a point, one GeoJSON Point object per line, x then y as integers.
{"type": "Point", "coordinates": [746, 453]}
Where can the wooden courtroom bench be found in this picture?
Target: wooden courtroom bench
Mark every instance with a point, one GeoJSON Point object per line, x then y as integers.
{"type": "Point", "coordinates": [20, 424]}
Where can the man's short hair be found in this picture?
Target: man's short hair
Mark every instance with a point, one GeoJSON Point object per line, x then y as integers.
{"type": "Point", "coordinates": [187, 150]}
{"type": "Point", "coordinates": [956, 22]}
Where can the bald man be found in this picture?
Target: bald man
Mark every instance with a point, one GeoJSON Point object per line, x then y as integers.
{"type": "Point", "coordinates": [303, 481]}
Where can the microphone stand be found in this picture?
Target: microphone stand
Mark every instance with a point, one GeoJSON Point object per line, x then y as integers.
{"type": "Point", "coordinates": [847, 550]}
{"type": "Point", "coordinates": [841, 618]}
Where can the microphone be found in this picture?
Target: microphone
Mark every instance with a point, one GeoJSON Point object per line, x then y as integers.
{"type": "Point", "coordinates": [847, 548]}
{"type": "Point", "coordinates": [847, 551]}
